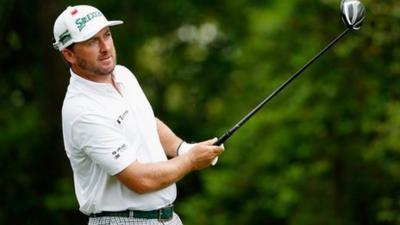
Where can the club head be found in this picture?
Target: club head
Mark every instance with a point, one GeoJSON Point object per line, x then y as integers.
{"type": "Point", "coordinates": [353, 13]}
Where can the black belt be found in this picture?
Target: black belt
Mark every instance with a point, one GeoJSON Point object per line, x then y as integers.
{"type": "Point", "coordinates": [165, 213]}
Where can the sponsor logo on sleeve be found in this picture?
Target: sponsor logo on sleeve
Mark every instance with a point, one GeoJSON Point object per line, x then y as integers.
{"type": "Point", "coordinates": [117, 153]}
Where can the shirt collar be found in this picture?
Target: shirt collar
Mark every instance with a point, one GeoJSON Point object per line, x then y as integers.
{"type": "Point", "coordinates": [101, 88]}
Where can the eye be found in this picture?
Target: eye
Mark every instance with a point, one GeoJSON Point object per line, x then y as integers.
{"type": "Point", "coordinates": [91, 42]}
{"type": "Point", "coordinates": [107, 34]}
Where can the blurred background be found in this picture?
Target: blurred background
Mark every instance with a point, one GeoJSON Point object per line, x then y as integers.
{"type": "Point", "coordinates": [324, 151]}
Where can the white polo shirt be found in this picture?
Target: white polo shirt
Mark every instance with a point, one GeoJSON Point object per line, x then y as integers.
{"type": "Point", "coordinates": [105, 131]}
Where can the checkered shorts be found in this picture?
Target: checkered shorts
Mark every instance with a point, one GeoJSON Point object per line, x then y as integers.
{"type": "Point", "coordinates": [111, 220]}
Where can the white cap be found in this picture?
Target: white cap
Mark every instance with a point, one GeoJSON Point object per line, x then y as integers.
{"type": "Point", "coordinates": [79, 23]}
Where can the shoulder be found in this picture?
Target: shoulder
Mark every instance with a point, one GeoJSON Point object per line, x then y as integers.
{"type": "Point", "coordinates": [76, 115]}
{"type": "Point", "coordinates": [73, 108]}
{"type": "Point", "coordinates": [122, 71]}
{"type": "Point", "coordinates": [125, 75]}
{"type": "Point", "coordinates": [77, 104]}
{"type": "Point", "coordinates": [121, 68]}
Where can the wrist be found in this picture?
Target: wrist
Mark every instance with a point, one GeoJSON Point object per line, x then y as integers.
{"type": "Point", "coordinates": [183, 148]}
{"type": "Point", "coordinates": [179, 146]}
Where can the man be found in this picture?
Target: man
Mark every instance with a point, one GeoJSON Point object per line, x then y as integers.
{"type": "Point", "coordinates": [117, 148]}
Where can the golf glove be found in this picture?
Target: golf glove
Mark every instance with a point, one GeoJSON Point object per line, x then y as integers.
{"type": "Point", "coordinates": [185, 148]}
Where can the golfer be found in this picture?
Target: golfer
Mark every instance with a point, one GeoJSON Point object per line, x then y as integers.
{"type": "Point", "coordinates": [125, 161]}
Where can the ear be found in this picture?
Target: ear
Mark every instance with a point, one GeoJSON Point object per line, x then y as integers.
{"type": "Point", "coordinates": [69, 56]}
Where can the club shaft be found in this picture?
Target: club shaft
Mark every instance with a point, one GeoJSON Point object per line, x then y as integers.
{"type": "Point", "coordinates": [229, 133]}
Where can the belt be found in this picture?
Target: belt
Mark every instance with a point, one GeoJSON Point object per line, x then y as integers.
{"type": "Point", "coordinates": [165, 213]}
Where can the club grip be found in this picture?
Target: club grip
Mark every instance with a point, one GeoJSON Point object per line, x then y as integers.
{"type": "Point", "coordinates": [222, 139]}
{"type": "Point", "coordinates": [218, 142]}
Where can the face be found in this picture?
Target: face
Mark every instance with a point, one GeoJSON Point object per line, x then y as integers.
{"type": "Point", "coordinates": [94, 58]}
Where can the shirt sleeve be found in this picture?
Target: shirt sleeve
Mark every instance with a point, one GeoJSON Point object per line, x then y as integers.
{"type": "Point", "coordinates": [103, 141]}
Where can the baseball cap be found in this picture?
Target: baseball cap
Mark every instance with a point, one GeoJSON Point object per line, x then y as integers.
{"type": "Point", "coordinates": [79, 23]}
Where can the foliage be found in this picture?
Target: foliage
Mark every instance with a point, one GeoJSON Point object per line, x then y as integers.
{"type": "Point", "coordinates": [324, 151]}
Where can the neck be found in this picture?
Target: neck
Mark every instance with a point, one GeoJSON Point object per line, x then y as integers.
{"type": "Point", "coordinates": [93, 77]}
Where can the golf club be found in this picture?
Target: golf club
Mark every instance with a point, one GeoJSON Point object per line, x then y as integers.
{"type": "Point", "coordinates": [353, 14]}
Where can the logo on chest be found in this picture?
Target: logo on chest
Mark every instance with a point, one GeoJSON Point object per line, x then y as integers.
{"type": "Point", "coordinates": [122, 117]}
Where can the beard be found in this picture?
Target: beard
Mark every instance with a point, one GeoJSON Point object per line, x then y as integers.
{"type": "Point", "coordinates": [95, 69]}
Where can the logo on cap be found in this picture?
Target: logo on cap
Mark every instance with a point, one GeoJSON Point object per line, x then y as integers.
{"type": "Point", "coordinates": [81, 22]}
{"type": "Point", "coordinates": [75, 11]}
{"type": "Point", "coordinates": [65, 37]}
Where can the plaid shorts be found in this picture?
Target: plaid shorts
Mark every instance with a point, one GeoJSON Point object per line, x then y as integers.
{"type": "Point", "coordinates": [111, 220]}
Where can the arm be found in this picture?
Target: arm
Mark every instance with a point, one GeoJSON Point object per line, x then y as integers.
{"type": "Point", "coordinates": [147, 177]}
{"type": "Point", "coordinates": [171, 142]}
{"type": "Point", "coordinates": [168, 139]}
{"type": "Point", "coordinates": [102, 141]}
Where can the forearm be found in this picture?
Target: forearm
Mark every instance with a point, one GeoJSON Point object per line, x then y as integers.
{"type": "Point", "coordinates": [168, 139]}
{"type": "Point", "coordinates": [147, 177]}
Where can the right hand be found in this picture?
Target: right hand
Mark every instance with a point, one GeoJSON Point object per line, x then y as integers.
{"type": "Point", "coordinates": [203, 153]}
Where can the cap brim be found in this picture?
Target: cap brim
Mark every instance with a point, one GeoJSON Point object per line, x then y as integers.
{"type": "Point", "coordinates": [99, 28]}
{"type": "Point", "coordinates": [115, 22]}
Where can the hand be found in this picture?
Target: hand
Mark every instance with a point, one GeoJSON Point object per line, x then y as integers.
{"type": "Point", "coordinates": [186, 147]}
{"type": "Point", "coordinates": [204, 154]}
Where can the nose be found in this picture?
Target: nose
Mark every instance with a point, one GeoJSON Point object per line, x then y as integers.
{"type": "Point", "coordinates": [105, 45]}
